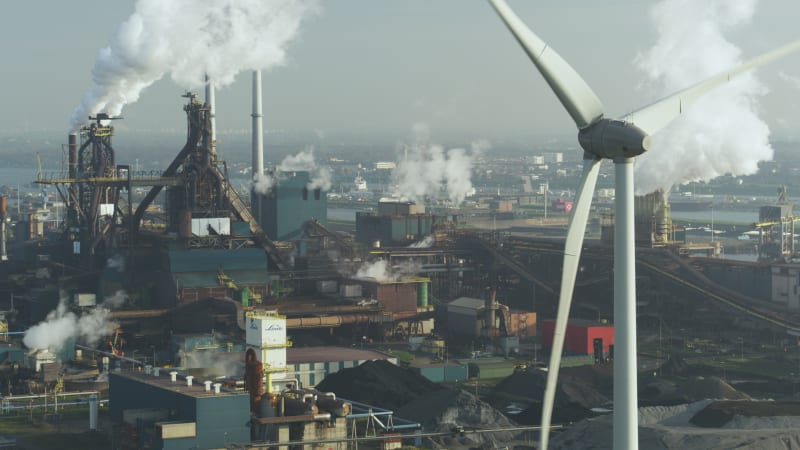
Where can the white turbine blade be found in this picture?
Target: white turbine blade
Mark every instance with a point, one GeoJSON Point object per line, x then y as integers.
{"type": "Point", "coordinates": [658, 115]}
{"type": "Point", "coordinates": [572, 256]}
{"type": "Point", "coordinates": [573, 92]}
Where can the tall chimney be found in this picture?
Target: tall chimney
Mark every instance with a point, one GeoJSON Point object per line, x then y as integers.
{"type": "Point", "coordinates": [72, 162]}
{"type": "Point", "coordinates": [72, 156]}
{"type": "Point", "coordinates": [212, 112]}
{"type": "Point", "coordinates": [258, 127]}
{"type": "Point", "coordinates": [3, 254]}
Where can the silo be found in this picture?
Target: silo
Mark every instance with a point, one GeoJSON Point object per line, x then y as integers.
{"type": "Point", "coordinates": [422, 294]}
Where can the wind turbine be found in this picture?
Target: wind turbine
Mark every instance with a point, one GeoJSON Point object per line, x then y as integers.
{"type": "Point", "coordinates": [620, 140]}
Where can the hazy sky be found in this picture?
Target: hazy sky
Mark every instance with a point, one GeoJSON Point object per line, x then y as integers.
{"type": "Point", "coordinates": [384, 65]}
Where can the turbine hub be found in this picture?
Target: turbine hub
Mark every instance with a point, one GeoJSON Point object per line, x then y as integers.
{"type": "Point", "coordinates": [610, 138]}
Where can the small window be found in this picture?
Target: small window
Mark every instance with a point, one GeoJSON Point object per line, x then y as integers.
{"type": "Point", "coordinates": [305, 193]}
{"type": "Point", "coordinates": [317, 193]}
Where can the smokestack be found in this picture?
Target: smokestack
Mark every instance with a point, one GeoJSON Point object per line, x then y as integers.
{"type": "Point", "coordinates": [72, 162]}
{"type": "Point", "coordinates": [3, 254]}
{"type": "Point", "coordinates": [212, 113]}
{"type": "Point", "coordinates": [258, 127]}
{"type": "Point", "coordinates": [72, 147]}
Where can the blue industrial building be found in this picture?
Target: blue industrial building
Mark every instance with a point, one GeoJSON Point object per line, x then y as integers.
{"type": "Point", "coordinates": [153, 411]}
{"type": "Point", "coordinates": [284, 211]}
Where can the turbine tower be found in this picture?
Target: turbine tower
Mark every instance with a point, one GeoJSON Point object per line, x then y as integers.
{"type": "Point", "coordinates": [620, 140]}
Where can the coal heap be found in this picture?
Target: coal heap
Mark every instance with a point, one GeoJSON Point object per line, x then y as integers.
{"type": "Point", "coordinates": [414, 397]}
{"type": "Point", "coordinates": [379, 383]}
{"type": "Point", "coordinates": [579, 389]}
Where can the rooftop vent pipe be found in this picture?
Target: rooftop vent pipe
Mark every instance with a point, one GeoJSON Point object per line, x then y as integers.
{"type": "Point", "coordinates": [208, 385]}
{"type": "Point", "coordinates": [173, 376]}
{"type": "Point", "coordinates": [189, 380]}
{"type": "Point", "coordinates": [216, 387]}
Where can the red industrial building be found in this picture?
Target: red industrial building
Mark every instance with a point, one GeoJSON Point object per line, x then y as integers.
{"type": "Point", "coordinates": [580, 336]}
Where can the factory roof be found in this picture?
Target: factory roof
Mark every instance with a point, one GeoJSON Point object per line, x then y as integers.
{"type": "Point", "coordinates": [467, 302]}
{"type": "Point", "coordinates": [163, 381]}
{"type": "Point", "coordinates": [300, 355]}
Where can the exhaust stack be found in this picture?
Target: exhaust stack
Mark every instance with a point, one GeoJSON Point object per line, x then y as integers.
{"type": "Point", "coordinates": [212, 113]}
{"type": "Point", "coordinates": [3, 254]}
{"type": "Point", "coordinates": [258, 127]}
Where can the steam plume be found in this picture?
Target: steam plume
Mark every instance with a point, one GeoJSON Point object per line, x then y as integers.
{"type": "Point", "coordinates": [62, 324]}
{"type": "Point", "coordinates": [381, 271]}
{"type": "Point", "coordinates": [721, 134]}
{"type": "Point", "coordinates": [425, 243]}
{"type": "Point", "coordinates": [186, 39]}
{"type": "Point", "coordinates": [303, 161]}
{"type": "Point", "coordinates": [430, 169]}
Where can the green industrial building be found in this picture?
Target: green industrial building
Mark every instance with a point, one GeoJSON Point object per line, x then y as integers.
{"type": "Point", "coordinates": [289, 205]}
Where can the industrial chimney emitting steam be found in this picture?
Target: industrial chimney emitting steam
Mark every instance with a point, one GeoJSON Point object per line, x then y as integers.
{"type": "Point", "coordinates": [258, 127]}
{"type": "Point", "coordinates": [257, 145]}
{"type": "Point", "coordinates": [3, 254]}
{"type": "Point", "coordinates": [212, 112]}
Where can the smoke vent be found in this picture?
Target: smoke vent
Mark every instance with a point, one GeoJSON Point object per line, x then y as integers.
{"type": "Point", "coordinates": [189, 380]}
{"type": "Point", "coordinates": [148, 369]}
{"type": "Point", "coordinates": [216, 387]}
{"type": "Point", "coordinates": [173, 376]}
{"type": "Point", "coordinates": [208, 385]}
{"type": "Point", "coordinates": [156, 371]}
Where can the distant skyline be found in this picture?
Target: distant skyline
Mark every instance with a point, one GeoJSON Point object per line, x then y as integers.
{"type": "Point", "coordinates": [381, 67]}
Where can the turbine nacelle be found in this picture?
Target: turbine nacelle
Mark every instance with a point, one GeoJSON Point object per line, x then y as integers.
{"type": "Point", "coordinates": [611, 138]}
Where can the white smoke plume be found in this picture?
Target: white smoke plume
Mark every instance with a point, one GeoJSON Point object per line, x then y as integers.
{"type": "Point", "coordinates": [320, 177]}
{"type": "Point", "coordinates": [430, 169]}
{"type": "Point", "coordinates": [381, 271]}
{"type": "Point", "coordinates": [186, 39]}
{"type": "Point", "coordinates": [425, 243]}
{"type": "Point", "coordinates": [215, 363]}
{"type": "Point", "coordinates": [263, 183]}
{"type": "Point", "coordinates": [793, 80]}
{"type": "Point", "coordinates": [721, 133]}
{"type": "Point", "coordinates": [116, 262]}
{"type": "Point", "coordinates": [62, 324]}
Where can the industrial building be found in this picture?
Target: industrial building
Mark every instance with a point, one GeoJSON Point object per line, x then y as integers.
{"type": "Point", "coordinates": [396, 223]}
{"type": "Point", "coordinates": [488, 320]}
{"type": "Point", "coordinates": [155, 409]}
{"type": "Point", "coordinates": [290, 204]}
{"type": "Point", "coordinates": [170, 409]}
{"type": "Point", "coordinates": [582, 337]}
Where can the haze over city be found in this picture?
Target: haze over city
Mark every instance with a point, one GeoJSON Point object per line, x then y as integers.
{"type": "Point", "coordinates": [410, 244]}
{"type": "Point", "coordinates": [372, 67]}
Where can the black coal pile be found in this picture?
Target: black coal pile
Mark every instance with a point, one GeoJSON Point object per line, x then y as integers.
{"type": "Point", "coordinates": [411, 396]}
{"type": "Point", "coordinates": [579, 390]}
{"type": "Point", "coordinates": [447, 409]}
{"type": "Point", "coordinates": [379, 383]}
